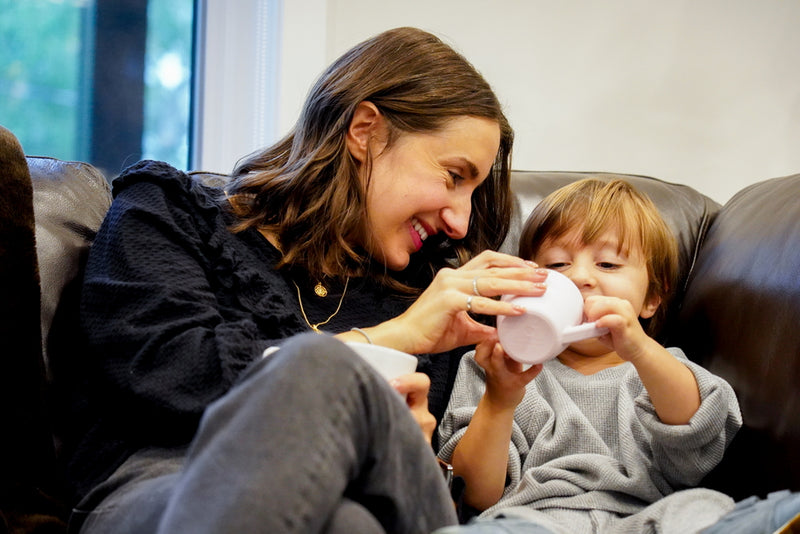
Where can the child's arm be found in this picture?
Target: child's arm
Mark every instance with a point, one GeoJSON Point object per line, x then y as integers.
{"type": "Point", "coordinates": [671, 385]}
{"type": "Point", "coordinates": [481, 456]}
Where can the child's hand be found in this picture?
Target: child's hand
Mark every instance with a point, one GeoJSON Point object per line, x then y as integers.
{"type": "Point", "coordinates": [671, 384]}
{"type": "Point", "coordinates": [626, 336]}
{"type": "Point", "coordinates": [505, 378]}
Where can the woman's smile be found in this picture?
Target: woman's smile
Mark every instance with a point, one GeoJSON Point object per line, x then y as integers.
{"type": "Point", "coordinates": [418, 233]}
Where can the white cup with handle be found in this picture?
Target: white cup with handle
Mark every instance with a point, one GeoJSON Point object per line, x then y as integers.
{"type": "Point", "coordinates": [551, 322]}
{"type": "Point", "coordinates": [390, 363]}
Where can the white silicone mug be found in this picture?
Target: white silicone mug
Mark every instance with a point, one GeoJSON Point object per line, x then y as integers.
{"type": "Point", "coordinates": [551, 322]}
{"type": "Point", "coordinates": [390, 363]}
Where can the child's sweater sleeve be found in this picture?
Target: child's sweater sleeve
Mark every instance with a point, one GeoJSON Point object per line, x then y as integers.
{"type": "Point", "coordinates": [684, 454]}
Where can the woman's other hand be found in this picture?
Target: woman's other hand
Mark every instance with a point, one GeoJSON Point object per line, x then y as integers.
{"type": "Point", "coordinates": [414, 387]}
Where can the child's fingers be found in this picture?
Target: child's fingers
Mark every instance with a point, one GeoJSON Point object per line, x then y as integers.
{"type": "Point", "coordinates": [532, 372]}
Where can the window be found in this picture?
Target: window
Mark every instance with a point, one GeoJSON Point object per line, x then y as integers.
{"type": "Point", "coordinates": [103, 81]}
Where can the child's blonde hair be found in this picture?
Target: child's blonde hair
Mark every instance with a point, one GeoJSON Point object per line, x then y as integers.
{"type": "Point", "coordinates": [596, 206]}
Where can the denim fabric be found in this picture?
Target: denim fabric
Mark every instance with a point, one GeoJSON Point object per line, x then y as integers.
{"type": "Point", "coordinates": [310, 440]}
{"type": "Point", "coordinates": [138, 492]}
{"type": "Point", "coordinates": [749, 516]}
{"type": "Point", "coordinates": [497, 525]}
{"type": "Point", "coordinates": [759, 516]}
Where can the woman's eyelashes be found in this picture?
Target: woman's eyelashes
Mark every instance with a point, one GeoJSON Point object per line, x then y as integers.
{"type": "Point", "coordinates": [455, 177]}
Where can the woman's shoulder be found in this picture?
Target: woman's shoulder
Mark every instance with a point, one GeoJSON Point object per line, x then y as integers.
{"type": "Point", "coordinates": [152, 183]}
{"type": "Point", "coordinates": [158, 173]}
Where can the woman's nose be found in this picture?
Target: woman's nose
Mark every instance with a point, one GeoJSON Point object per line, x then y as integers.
{"type": "Point", "coordinates": [456, 217]}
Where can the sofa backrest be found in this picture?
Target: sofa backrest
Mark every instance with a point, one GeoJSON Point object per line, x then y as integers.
{"type": "Point", "coordinates": [70, 200]}
{"type": "Point", "coordinates": [741, 319]}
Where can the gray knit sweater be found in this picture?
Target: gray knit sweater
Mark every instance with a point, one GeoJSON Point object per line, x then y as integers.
{"type": "Point", "coordinates": [593, 445]}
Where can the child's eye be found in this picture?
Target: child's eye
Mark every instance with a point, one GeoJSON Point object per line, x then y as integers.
{"type": "Point", "coordinates": [557, 265]}
{"type": "Point", "coordinates": [607, 265]}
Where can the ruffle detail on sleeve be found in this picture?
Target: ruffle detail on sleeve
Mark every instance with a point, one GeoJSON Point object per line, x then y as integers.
{"type": "Point", "coordinates": [253, 297]}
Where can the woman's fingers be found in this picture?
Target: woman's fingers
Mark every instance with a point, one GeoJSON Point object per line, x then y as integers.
{"type": "Point", "coordinates": [490, 258]}
{"type": "Point", "coordinates": [495, 281]}
{"type": "Point", "coordinates": [414, 387]}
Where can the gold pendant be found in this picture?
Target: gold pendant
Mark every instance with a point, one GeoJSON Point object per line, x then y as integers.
{"type": "Point", "coordinates": [320, 290]}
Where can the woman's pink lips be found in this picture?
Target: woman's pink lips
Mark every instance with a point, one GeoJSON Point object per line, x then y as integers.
{"type": "Point", "coordinates": [415, 237]}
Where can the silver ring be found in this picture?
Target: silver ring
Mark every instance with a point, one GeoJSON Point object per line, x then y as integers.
{"type": "Point", "coordinates": [469, 303]}
{"type": "Point", "coordinates": [475, 287]}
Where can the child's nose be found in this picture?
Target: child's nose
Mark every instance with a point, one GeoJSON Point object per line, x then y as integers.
{"type": "Point", "coordinates": [581, 275]}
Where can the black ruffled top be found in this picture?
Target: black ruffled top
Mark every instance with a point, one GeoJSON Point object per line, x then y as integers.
{"type": "Point", "coordinates": [175, 306]}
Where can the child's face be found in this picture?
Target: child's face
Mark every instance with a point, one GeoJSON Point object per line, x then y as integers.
{"type": "Point", "coordinates": [601, 268]}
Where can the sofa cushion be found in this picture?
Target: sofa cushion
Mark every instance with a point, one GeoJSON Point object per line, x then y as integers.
{"type": "Point", "coordinates": [740, 319]}
{"type": "Point", "coordinates": [70, 200]}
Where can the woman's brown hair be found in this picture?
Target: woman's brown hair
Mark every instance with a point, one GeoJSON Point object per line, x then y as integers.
{"type": "Point", "coordinates": [306, 188]}
{"type": "Point", "coordinates": [595, 206]}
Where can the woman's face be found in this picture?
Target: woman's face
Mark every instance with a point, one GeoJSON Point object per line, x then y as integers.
{"type": "Point", "coordinates": [422, 185]}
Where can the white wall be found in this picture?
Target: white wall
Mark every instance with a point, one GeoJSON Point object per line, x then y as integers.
{"type": "Point", "coordinates": [238, 90]}
{"type": "Point", "coordinates": [702, 92]}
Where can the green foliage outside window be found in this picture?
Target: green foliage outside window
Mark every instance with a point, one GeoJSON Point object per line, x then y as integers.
{"type": "Point", "coordinates": [46, 65]}
{"type": "Point", "coordinates": [41, 75]}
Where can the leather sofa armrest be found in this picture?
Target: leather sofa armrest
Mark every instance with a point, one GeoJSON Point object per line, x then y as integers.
{"type": "Point", "coordinates": [741, 320]}
{"type": "Point", "coordinates": [70, 200]}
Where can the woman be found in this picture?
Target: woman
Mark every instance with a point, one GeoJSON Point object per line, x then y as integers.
{"type": "Point", "coordinates": [396, 172]}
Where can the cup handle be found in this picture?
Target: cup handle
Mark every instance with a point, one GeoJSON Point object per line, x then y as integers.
{"type": "Point", "coordinates": [582, 331]}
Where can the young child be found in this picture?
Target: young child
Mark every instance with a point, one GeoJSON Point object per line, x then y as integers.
{"type": "Point", "coordinates": [608, 432]}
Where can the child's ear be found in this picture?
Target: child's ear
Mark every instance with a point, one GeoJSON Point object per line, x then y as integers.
{"type": "Point", "coordinates": [651, 304]}
{"type": "Point", "coordinates": [367, 122]}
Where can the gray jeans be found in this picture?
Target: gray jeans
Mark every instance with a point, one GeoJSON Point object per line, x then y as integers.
{"type": "Point", "coordinates": [310, 440]}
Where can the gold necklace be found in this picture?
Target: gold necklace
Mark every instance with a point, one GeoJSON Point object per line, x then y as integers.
{"type": "Point", "coordinates": [315, 327]}
{"type": "Point", "coordinates": [320, 290]}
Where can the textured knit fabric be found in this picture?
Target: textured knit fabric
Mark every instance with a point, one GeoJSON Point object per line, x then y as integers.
{"type": "Point", "coordinates": [175, 306]}
{"type": "Point", "coordinates": [593, 445]}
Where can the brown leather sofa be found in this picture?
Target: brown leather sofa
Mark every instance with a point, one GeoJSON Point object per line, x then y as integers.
{"type": "Point", "coordinates": [737, 312]}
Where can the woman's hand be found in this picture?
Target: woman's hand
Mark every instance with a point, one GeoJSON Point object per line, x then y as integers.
{"type": "Point", "coordinates": [414, 387]}
{"type": "Point", "coordinates": [439, 320]}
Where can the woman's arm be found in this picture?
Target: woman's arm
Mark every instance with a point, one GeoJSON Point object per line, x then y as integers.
{"type": "Point", "coordinates": [165, 342]}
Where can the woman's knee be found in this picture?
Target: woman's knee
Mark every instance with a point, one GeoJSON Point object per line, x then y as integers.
{"type": "Point", "coordinates": [309, 355]}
